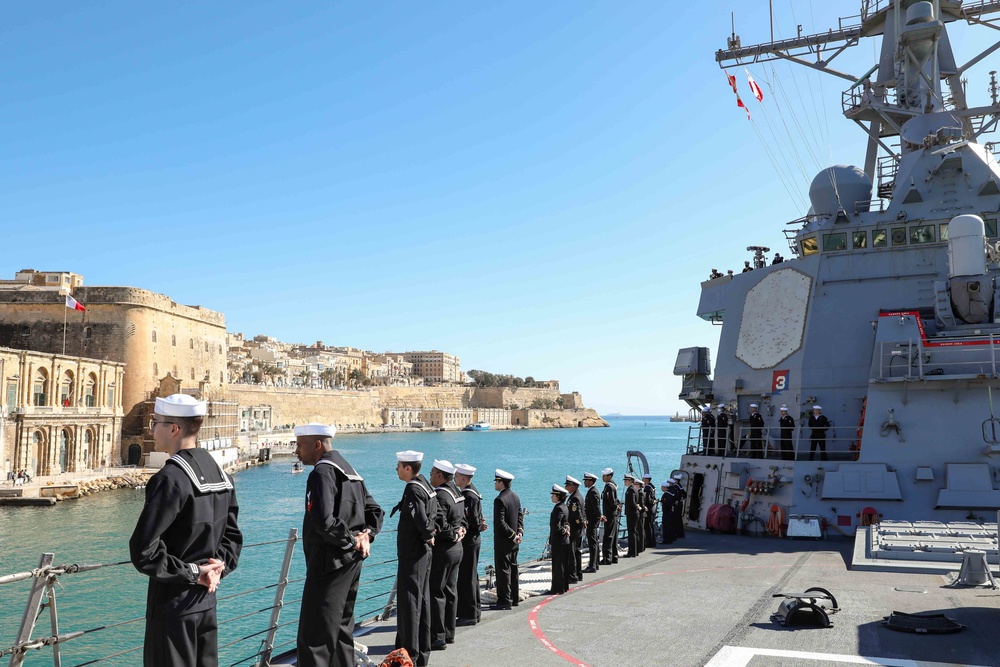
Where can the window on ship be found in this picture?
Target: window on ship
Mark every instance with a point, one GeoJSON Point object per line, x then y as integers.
{"type": "Point", "coordinates": [860, 240]}
{"type": "Point", "coordinates": [922, 234]}
{"type": "Point", "coordinates": [991, 227]}
{"type": "Point", "coordinates": [899, 236]}
{"type": "Point", "coordinates": [943, 231]}
{"type": "Point", "coordinates": [809, 246]}
{"type": "Point", "coordinates": [879, 238]}
{"type": "Point", "coordinates": [836, 241]}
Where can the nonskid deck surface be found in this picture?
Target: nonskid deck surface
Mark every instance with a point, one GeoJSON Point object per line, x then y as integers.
{"type": "Point", "coordinates": [707, 599]}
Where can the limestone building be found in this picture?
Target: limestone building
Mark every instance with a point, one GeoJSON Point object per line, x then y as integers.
{"type": "Point", "coordinates": [153, 335]}
{"type": "Point", "coordinates": [434, 366]}
{"type": "Point", "coordinates": [58, 413]}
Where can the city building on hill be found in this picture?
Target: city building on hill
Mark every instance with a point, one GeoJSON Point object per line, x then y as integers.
{"type": "Point", "coordinates": [58, 413]}
{"type": "Point", "coordinates": [151, 334]}
{"type": "Point", "coordinates": [434, 367]}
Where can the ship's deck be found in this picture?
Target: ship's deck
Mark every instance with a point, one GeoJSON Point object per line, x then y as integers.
{"type": "Point", "coordinates": [707, 599]}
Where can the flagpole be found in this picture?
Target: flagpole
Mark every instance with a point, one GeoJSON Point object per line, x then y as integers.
{"type": "Point", "coordinates": [64, 329]}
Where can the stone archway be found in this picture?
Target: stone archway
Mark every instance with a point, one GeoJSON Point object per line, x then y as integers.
{"type": "Point", "coordinates": [91, 449]}
{"type": "Point", "coordinates": [40, 449]}
{"type": "Point", "coordinates": [65, 451]}
{"type": "Point", "coordinates": [134, 454]}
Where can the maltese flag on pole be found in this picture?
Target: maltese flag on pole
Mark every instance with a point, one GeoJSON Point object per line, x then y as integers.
{"type": "Point", "coordinates": [73, 304]}
{"type": "Point", "coordinates": [754, 88]}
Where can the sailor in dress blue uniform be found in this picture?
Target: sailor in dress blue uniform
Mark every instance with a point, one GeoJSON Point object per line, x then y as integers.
{"type": "Point", "coordinates": [592, 510]}
{"type": "Point", "coordinates": [508, 531]}
{"type": "Point", "coordinates": [577, 524]}
{"type": "Point", "coordinates": [341, 520]}
{"type": "Point", "coordinates": [468, 572]}
{"type": "Point", "coordinates": [185, 541]}
{"type": "Point", "coordinates": [446, 554]}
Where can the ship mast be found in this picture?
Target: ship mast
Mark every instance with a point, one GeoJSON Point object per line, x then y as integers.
{"type": "Point", "coordinates": [916, 57]}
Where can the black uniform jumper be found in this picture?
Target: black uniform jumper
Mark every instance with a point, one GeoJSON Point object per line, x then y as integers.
{"type": "Point", "coordinates": [592, 508]}
{"type": "Point", "coordinates": [632, 524]}
{"type": "Point", "coordinates": [508, 523]}
{"type": "Point", "coordinates": [189, 516]}
{"type": "Point", "coordinates": [708, 433]}
{"type": "Point", "coordinates": [559, 540]}
{"type": "Point", "coordinates": [817, 437]}
{"type": "Point", "coordinates": [667, 500]}
{"type": "Point", "coordinates": [338, 506]}
{"type": "Point", "coordinates": [418, 511]}
{"type": "Point", "coordinates": [721, 433]}
{"type": "Point", "coordinates": [468, 572]}
{"type": "Point", "coordinates": [786, 424]}
{"type": "Point", "coordinates": [649, 502]}
{"type": "Point", "coordinates": [576, 524]}
{"type": "Point", "coordinates": [609, 506]}
{"type": "Point", "coordinates": [678, 510]}
{"type": "Point", "coordinates": [445, 559]}
{"type": "Point", "coordinates": [756, 435]}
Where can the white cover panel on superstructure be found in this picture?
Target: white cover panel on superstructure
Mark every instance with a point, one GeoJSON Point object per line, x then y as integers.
{"type": "Point", "coordinates": [774, 316]}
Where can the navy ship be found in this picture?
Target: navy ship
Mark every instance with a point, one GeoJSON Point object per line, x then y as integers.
{"type": "Point", "coordinates": [887, 314]}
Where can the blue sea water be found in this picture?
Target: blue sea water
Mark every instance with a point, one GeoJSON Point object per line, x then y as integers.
{"type": "Point", "coordinates": [96, 529]}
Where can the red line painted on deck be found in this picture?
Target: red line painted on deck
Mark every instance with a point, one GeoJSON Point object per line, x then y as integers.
{"type": "Point", "coordinates": [540, 635]}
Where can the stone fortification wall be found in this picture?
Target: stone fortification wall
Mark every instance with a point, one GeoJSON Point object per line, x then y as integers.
{"type": "Point", "coordinates": [508, 397]}
{"type": "Point", "coordinates": [426, 397]}
{"type": "Point", "coordinates": [560, 418]}
{"type": "Point", "coordinates": [301, 406]}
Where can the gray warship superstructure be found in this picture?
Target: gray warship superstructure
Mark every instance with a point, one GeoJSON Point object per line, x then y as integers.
{"type": "Point", "coordinates": [887, 314]}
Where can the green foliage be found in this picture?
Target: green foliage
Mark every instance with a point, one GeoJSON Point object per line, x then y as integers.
{"type": "Point", "coordinates": [487, 379]}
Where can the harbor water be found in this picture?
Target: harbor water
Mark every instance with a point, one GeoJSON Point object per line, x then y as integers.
{"type": "Point", "coordinates": [96, 529]}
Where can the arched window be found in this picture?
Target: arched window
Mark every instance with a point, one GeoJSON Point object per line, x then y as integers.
{"type": "Point", "coordinates": [66, 393]}
{"type": "Point", "coordinates": [192, 372]}
{"type": "Point", "coordinates": [156, 371]}
{"type": "Point", "coordinates": [40, 388]}
{"type": "Point", "coordinates": [192, 343]}
{"type": "Point", "coordinates": [154, 336]}
{"type": "Point", "coordinates": [88, 333]}
{"type": "Point", "coordinates": [63, 450]}
{"type": "Point", "coordinates": [206, 346]}
{"type": "Point", "coordinates": [90, 391]}
{"type": "Point", "coordinates": [173, 340]}
{"type": "Point", "coordinates": [90, 450]}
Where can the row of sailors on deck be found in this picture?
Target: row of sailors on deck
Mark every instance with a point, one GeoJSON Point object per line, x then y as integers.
{"type": "Point", "coordinates": [718, 433]}
{"type": "Point", "coordinates": [187, 540]}
{"type": "Point", "coordinates": [758, 264]}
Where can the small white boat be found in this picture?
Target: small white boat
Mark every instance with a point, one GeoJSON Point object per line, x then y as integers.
{"type": "Point", "coordinates": [478, 426]}
{"type": "Point", "coordinates": [297, 468]}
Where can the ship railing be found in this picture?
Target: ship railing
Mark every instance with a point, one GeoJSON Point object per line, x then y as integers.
{"type": "Point", "coordinates": [252, 616]}
{"type": "Point", "coordinates": [969, 358]}
{"type": "Point", "coordinates": [744, 443]}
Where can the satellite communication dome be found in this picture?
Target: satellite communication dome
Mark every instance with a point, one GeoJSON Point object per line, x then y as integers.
{"type": "Point", "coordinates": [843, 187]}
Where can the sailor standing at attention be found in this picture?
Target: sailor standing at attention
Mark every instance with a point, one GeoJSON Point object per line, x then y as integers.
{"type": "Point", "coordinates": [508, 531]}
{"type": "Point", "coordinates": [649, 502]}
{"type": "Point", "coordinates": [468, 572]}
{"type": "Point", "coordinates": [707, 431]}
{"type": "Point", "coordinates": [592, 511]}
{"type": "Point", "coordinates": [185, 541]}
{"type": "Point", "coordinates": [577, 524]}
{"type": "Point", "coordinates": [632, 509]}
{"type": "Point", "coordinates": [817, 438]}
{"type": "Point", "coordinates": [667, 499]}
{"type": "Point", "coordinates": [721, 431]}
{"type": "Point", "coordinates": [786, 425]}
{"type": "Point", "coordinates": [679, 505]}
{"type": "Point", "coordinates": [418, 511]}
{"type": "Point", "coordinates": [756, 433]}
{"type": "Point", "coordinates": [611, 509]}
{"type": "Point", "coordinates": [559, 540]}
{"type": "Point", "coordinates": [340, 522]}
{"type": "Point", "coordinates": [446, 555]}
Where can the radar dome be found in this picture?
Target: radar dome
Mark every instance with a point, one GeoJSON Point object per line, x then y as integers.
{"type": "Point", "coordinates": [843, 187]}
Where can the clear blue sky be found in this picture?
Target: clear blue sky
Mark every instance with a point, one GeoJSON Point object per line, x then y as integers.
{"type": "Point", "coordinates": [536, 187]}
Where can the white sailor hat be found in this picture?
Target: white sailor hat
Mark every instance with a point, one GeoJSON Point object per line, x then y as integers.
{"type": "Point", "coordinates": [572, 480]}
{"type": "Point", "coordinates": [754, 405]}
{"type": "Point", "coordinates": [180, 405]}
{"type": "Point", "coordinates": [679, 476]}
{"type": "Point", "coordinates": [409, 456]}
{"type": "Point", "coordinates": [464, 469]}
{"type": "Point", "coordinates": [666, 484]}
{"type": "Point", "coordinates": [558, 489]}
{"type": "Point", "coordinates": [444, 466]}
{"type": "Point", "coordinates": [590, 475]}
{"type": "Point", "coordinates": [628, 475]}
{"type": "Point", "coordinates": [646, 475]}
{"type": "Point", "coordinates": [817, 407]}
{"type": "Point", "coordinates": [608, 471]}
{"type": "Point", "coordinates": [320, 430]}
{"type": "Point", "coordinates": [707, 408]}
{"type": "Point", "coordinates": [784, 408]}
{"type": "Point", "coordinates": [503, 474]}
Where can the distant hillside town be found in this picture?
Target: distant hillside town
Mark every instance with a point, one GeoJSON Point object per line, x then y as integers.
{"type": "Point", "coordinates": [80, 368]}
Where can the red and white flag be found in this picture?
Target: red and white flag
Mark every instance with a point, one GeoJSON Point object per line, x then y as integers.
{"type": "Point", "coordinates": [73, 304]}
{"type": "Point", "coordinates": [739, 102]}
{"type": "Point", "coordinates": [754, 88]}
